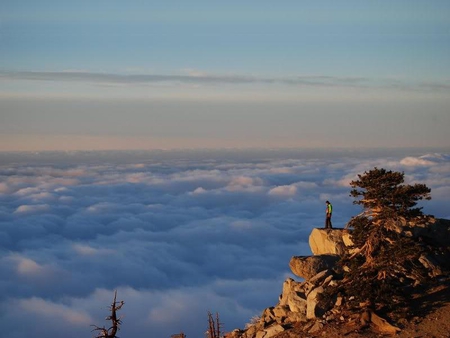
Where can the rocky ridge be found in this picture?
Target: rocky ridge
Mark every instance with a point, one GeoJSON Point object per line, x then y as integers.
{"type": "Point", "coordinates": [308, 307]}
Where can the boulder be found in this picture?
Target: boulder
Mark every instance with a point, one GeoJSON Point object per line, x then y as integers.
{"type": "Point", "coordinates": [260, 334]}
{"type": "Point", "coordinates": [267, 317]}
{"type": "Point", "coordinates": [309, 266]}
{"type": "Point", "coordinates": [313, 307]}
{"type": "Point", "coordinates": [281, 313]}
{"type": "Point", "coordinates": [382, 324]}
{"type": "Point", "coordinates": [273, 330]}
{"type": "Point", "coordinates": [251, 331]}
{"type": "Point", "coordinates": [321, 278]}
{"type": "Point", "coordinates": [293, 296]}
{"type": "Point", "coordinates": [329, 241]}
{"type": "Point", "coordinates": [346, 238]}
{"type": "Point", "coordinates": [316, 327]}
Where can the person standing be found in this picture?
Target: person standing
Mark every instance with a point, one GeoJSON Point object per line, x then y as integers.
{"type": "Point", "coordinates": [329, 212]}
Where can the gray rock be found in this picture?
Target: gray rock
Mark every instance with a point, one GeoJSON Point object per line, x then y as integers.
{"type": "Point", "coordinates": [293, 296]}
{"type": "Point", "coordinates": [267, 317]}
{"type": "Point", "coordinates": [321, 277]}
{"type": "Point", "coordinates": [313, 309]}
{"type": "Point", "coordinates": [309, 266]}
{"type": "Point", "coordinates": [281, 313]}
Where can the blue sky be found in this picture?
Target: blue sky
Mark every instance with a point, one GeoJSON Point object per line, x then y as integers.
{"type": "Point", "coordinates": [236, 66]}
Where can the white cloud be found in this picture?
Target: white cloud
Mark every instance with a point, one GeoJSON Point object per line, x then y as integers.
{"type": "Point", "coordinates": [245, 181]}
{"type": "Point", "coordinates": [199, 190]}
{"type": "Point", "coordinates": [27, 191]}
{"type": "Point", "coordinates": [306, 185]}
{"type": "Point", "coordinates": [343, 182]}
{"type": "Point", "coordinates": [86, 250]}
{"type": "Point", "coordinates": [175, 236]}
{"type": "Point", "coordinates": [4, 188]}
{"type": "Point", "coordinates": [443, 168]}
{"type": "Point", "coordinates": [47, 310]}
{"type": "Point", "coordinates": [26, 266]}
{"type": "Point", "coordinates": [415, 162]}
{"type": "Point", "coordinates": [284, 191]}
{"type": "Point", "coordinates": [30, 209]}
{"type": "Point", "coordinates": [241, 224]}
{"type": "Point", "coordinates": [282, 170]}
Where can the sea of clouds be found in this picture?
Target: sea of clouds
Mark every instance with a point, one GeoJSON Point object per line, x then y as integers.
{"type": "Point", "coordinates": [177, 234]}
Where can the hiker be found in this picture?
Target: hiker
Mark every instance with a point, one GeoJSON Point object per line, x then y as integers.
{"type": "Point", "coordinates": [328, 211]}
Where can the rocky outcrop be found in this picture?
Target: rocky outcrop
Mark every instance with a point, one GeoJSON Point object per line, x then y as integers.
{"type": "Point", "coordinates": [308, 304]}
{"type": "Point", "coordinates": [301, 302]}
{"type": "Point", "coordinates": [329, 242]}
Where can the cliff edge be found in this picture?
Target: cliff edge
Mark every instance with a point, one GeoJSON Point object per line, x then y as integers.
{"type": "Point", "coordinates": [313, 306]}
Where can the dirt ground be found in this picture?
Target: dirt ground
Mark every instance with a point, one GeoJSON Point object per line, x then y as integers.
{"type": "Point", "coordinates": [428, 317]}
{"type": "Point", "coordinates": [431, 316]}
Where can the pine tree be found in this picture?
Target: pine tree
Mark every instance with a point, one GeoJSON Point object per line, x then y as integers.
{"type": "Point", "coordinates": [384, 259]}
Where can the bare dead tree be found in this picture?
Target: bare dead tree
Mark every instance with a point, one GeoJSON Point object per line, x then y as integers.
{"type": "Point", "coordinates": [115, 321]}
{"type": "Point", "coordinates": [214, 326]}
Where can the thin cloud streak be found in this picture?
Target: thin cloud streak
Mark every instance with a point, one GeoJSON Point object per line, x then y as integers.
{"type": "Point", "coordinates": [201, 78]}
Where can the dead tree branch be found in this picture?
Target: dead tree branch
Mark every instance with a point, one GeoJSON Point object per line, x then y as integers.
{"type": "Point", "coordinates": [214, 326]}
{"type": "Point", "coordinates": [115, 321]}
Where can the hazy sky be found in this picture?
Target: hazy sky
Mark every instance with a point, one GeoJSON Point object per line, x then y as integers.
{"type": "Point", "coordinates": [188, 74]}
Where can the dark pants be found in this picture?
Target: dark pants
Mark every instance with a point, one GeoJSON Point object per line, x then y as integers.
{"type": "Point", "coordinates": [328, 222]}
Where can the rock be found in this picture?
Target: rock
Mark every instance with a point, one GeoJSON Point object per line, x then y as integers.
{"type": "Point", "coordinates": [293, 296]}
{"type": "Point", "coordinates": [321, 277]}
{"type": "Point", "coordinates": [267, 317]}
{"type": "Point", "coordinates": [328, 242]}
{"type": "Point", "coordinates": [333, 283]}
{"type": "Point", "coordinates": [281, 313]}
{"type": "Point", "coordinates": [382, 325]}
{"type": "Point", "coordinates": [316, 327]}
{"type": "Point", "coordinates": [251, 331]}
{"type": "Point", "coordinates": [261, 334]}
{"type": "Point", "coordinates": [346, 238]}
{"type": "Point", "coordinates": [309, 266]}
{"type": "Point", "coordinates": [236, 333]}
{"type": "Point", "coordinates": [327, 280]}
{"type": "Point", "coordinates": [365, 318]}
{"type": "Point", "coordinates": [273, 330]}
{"type": "Point", "coordinates": [312, 302]}
{"type": "Point", "coordinates": [330, 318]}
{"type": "Point", "coordinates": [296, 317]}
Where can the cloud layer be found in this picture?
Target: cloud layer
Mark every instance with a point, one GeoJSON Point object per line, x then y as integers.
{"type": "Point", "coordinates": [177, 234]}
{"type": "Point", "coordinates": [200, 78]}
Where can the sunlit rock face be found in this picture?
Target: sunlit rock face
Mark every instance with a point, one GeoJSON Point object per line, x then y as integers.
{"type": "Point", "coordinates": [329, 241]}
